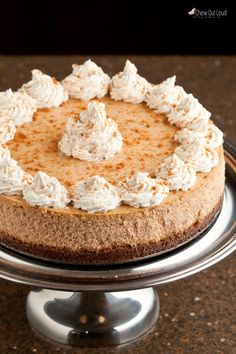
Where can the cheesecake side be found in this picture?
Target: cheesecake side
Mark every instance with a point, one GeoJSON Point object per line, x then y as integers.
{"type": "Point", "coordinates": [120, 235]}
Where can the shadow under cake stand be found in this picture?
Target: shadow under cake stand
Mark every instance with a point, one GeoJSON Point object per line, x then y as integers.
{"type": "Point", "coordinates": [115, 304]}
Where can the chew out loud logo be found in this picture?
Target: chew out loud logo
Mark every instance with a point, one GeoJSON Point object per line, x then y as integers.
{"type": "Point", "coordinates": [209, 13]}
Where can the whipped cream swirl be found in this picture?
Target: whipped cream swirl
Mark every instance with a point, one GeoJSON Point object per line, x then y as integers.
{"type": "Point", "coordinates": [95, 195]}
{"type": "Point", "coordinates": [177, 173]}
{"type": "Point", "coordinates": [7, 129]}
{"type": "Point", "coordinates": [142, 191]}
{"type": "Point", "coordinates": [197, 129]}
{"type": "Point", "coordinates": [18, 106]}
{"type": "Point", "coordinates": [188, 109]}
{"type": "Point", "coordinates": [5, 154]}
{"type": "Point", "coordinates": [214, 137]}
{"type": "Point", "coordinates": [128, 86]}
{"type": "Point", "coordinates": [46, 191]}
{"type": "Point", "coordinates": [163, 97]}
{"type": "Point", "coordinates": [201, 157]}
{"type": "Point", "coordinates": [45, 90]}
{"type": "Point", "coordinates": [94, 137]}
{"type": "Point", "coordinates": [208, 134]}
{"type": "Point", "coordinates": [87, 81]}
{"type": "Point", "coordinates": [12, 178]}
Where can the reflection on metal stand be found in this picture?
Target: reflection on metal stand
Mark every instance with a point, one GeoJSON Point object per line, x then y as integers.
{"type": "Point", "coordinates": [97, 319]}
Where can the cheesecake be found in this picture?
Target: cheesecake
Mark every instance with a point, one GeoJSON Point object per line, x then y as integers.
{"type": "Point", "coordinates": [99, 170]}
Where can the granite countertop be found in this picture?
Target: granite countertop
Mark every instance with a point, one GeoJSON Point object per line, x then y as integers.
{"type": "Point", "coordinates": [197, 313]}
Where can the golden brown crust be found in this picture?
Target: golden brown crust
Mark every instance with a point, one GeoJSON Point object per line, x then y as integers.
{"type": "Point", "coordinates": [120, 254]}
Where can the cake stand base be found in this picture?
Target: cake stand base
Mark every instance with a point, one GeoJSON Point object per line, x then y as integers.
{"type": "Point", "coordinates": [92, 318]}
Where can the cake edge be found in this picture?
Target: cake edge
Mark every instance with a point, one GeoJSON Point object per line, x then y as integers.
{"type": "Point", "coordinates": [118, 255]}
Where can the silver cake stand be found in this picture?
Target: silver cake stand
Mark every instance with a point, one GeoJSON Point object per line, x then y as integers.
{"type": "Point", "coordinates": [112, 305]}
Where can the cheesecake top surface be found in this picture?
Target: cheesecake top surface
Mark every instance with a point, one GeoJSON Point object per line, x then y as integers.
{"type": "Point", "coordinates": [147, 140]}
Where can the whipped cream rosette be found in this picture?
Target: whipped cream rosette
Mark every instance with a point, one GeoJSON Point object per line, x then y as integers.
{"type": "Point", "coordinates": [45, 90]}
{"type": "Point", "coordinates": [92, 138]}
{"type": "Point", "coordinates": [188, 109]}
{"type": "Point", "coordinates": [214, 136]}
{"type": "Point", "coordinates": [207, 133]}
{"type": "Point", "coordinates": [87, 81]}
{"type": "Point", "coordinates": [177, 173]}
{"type": "Point", "coordinates": [12, 178]}
{"type": "Point", "coordinates": [46, 191]}
{"type": "Point", "coordinates": [95, 195]}
{"type": "Point", "coordinates": [18, 106]}
{"type": "Point", "coordinates": [4, 154]}
{"type": "Point", "coordinates": [7, 129]}
{"type": "Point", "coordinates": [201, 157]}
{"type": "Point", "coordinates": [142, 191]}
{"type": "Point", "coordinates": [128, 86]}
{"type": "Point", "coordinates": [164, 96]}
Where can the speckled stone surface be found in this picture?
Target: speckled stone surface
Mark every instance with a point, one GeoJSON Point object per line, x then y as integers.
{"type": "Point", "coordinates": [197, 313]}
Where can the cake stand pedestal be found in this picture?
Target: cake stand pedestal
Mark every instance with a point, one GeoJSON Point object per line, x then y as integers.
{"type": "Point", "coordinates": [92, 318]}
{"type": "Point", "coordinates": [115, 304]}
